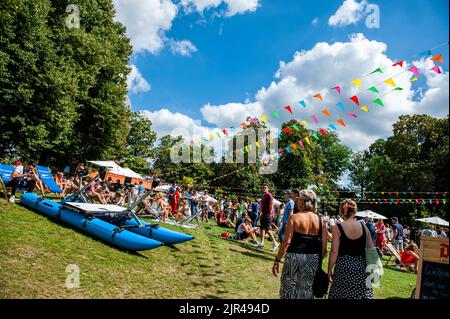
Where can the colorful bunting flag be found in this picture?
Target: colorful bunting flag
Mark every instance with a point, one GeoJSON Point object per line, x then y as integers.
{"type": "Point", "coordinates": [315, 136]}
{"type": "Point", "coordinates": [341, 106]}
{"type": "Point", "coordinates": [307, 140]}
{"type": "Point", "coordinates": [225, 132]}
{"type": "Point", "coordinates": [355, 99]}
{"type": "Point", "coordinates": [341, 121]}
{"type": "Point", "coordinates": [378, 101]}
{"type": "Point", "coordinates": [436, 69]}
{"type": "Point", "coordinates": [294, 146]}
{"type": "Point", "coordinates": [211, 136]}
{"type": "Point", "coordinates": [438, 58]}
{"type": "Point", "coordinates": [325, 111]}
{"type": "Point", "coordinates": [400, 63]}
{"type": "Point", "coordinates": [323, 131]}
{"type": "Point", "coordinates": [244, 126]}
{"type": "Point", "coordinates": [332, 127]}
{"type": "Point", "coordinates": [288, 149]}
{"type": "Point", "coordinates": [275, 114]}
{"type": "Point", "coordinates": [314, 118]}
{"type": "Point", "coordinates": [357, 82]}
{"type": "Point", "coordinates": [318, 96]}
{"type": "Point", "coordinates": [301, 143]}
{"type": "Point", "coordinates": [398, 89]}
{"type": "Point", "coordinates": [302, 103]}
{"type": "Point", "coordinates": [414, 78]}
{"type": "Point", "coordinates": [264, 118]}
{"type": "Point", "coordinates": [390, 81]}
{"type": "Point", "coordinates": [374, 89]}
{"type": "Point", "coordinates": [414, 70]}
{"type": "Point", "coordinates": [352, 115]}
{"type": "Point", "coordinates": [337, 88]}
{"type": "Point", "coordinates": [426, 53]}
{"type": "Point", "coordinates": [304, 123]}
{"type": "Point", "coordinates": [364, 108]}
{"type": "Point", "coordinates": [295, 127]}
{"type": "Point", "coordinates": [379, 70]}
{"type": "Point", "coordinates": [287, 130]}
{"type": "Point", "coordinates": [218, 135]}
{"type": "Point", "coordinates": [288, 108]}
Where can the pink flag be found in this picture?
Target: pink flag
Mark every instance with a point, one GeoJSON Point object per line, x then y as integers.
{"type": "Point", "coordinates": [314, 118]}
{"type": "Point", "coordinates": [301, 143]}
{"type": "Point", "coordinates": [337, 88]}
{"type": "Point", "coordinates": [352, 115]}
{"type": "Point", "coordinates": [436, 69]}
{"type": "Point", "coordinates": [414, 70]}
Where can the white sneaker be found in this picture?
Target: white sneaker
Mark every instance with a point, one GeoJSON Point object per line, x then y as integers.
{"type": "Point", "coordinates": [275, 246]}
{"type": "Point", "coordinates": [11, 199]}
{"type": "Point", "coordinates": [259, 246]}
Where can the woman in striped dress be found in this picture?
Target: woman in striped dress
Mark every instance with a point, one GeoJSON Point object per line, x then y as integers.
{"type": "Point", "coordinates": [302, 247]}
{"type": "Point", "coordinates": [347, 257]}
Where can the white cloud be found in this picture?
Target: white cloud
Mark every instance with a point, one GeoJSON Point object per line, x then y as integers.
{"type": "Point", "coordinates": [315, 21]}
{"type": "Point", "coordinates": [233, 6]}
{"type": "Point", "coordinates": [350, 12]}
{"type": "Point", "coordinates": [146, 21]}
{"type": "Point", "coordinates": [183, 47]}
{"type": "Point", "coordinates": [136, 82]}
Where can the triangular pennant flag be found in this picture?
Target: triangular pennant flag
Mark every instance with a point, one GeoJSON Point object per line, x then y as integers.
{"type": "Point", "coordinates": [426, 53]}
{"type": "Point", "coordinates": [332, 127]}
{"type": "Point", "coordinates": [438, 58]}
{"type": "Point", "coordinates": [378, 101]}
{"type": "Point", "coordinates": [400, 63]}
{"type": "Point", "coordinates": [218, 135]}
{"type": "Point", "coordinates": [357, 82]}
{"type": "Point", "coordinates": [341, 121]}
{"type": "Point", "coordinates": [288, 108]}
{"type": "Point", "coordinates": [364, 108]}
{"type": "Point", "coordinates": [253, 121]}
{"type": "Point", "coordinates": [287, 130]}
{"type": "Point", "coordinates": [225, 132]}
{"type": "Point", "coordinates": [315, 136]}
{"type": "Point", "coordinates": [323, 131]}
{"type": "Point", "coordinates": [374, 89]}
{"type": "Point", "coordinates": [295, 127]}
{"type": "Point", "coordinates": [326, 112]}
{"type": "Point", "coordinates": [275, 114]}
{"type": "Point", "coordinates": [294, 146]}
{"type": "Point", "coordinates": [302, 103]}
{"type": "Point", "coordinates": [318, 96]}
{"type": "Point", "coordinates": [211, 136]}
{"type": "Point", "coordinates": [352, 115]}
{"type": "Point", "coordinates": [257, 144]}
{"type": "Point", "coordinates": [307, 140]}
{"type": "Point", "coordinates": [288, 149]}
{"type": "Point", "coordinates": [414, 78]}
{"type": "Point", "coordinates": [205, 139]}
{"type": "Point", "coordinates": [304, 123]}
{"type": "Point", "coordinates": [436, 69]}
{"type": "Point", "coordinates": [379, 70]}
{"type": "Point", "coordinates": [314, 118]}
{"type": "Point", "coordinates": [264, 118]}
{"type": "Point", "coordinates": [244, 126]}
{"type": "Point", "coordinates": [398, 89]}
{"type": "Point", "coordinates": [414, 70]}
{"type": "Point", "coordinates": [337, 88]}
{"type": "Point", "coordinates": [390, 81]}
{"type": "Point", "coordinates": [355, 99]}
{"type": "Point", "coordinates": [246, 149]}
{"type": "Point", "coordinates": [341, 106]}
{"type": "Point", "coordinates": [301, 143]}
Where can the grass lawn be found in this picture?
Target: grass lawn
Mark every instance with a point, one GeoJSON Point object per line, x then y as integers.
{"type": "Point", "coordinates": [35, 252]}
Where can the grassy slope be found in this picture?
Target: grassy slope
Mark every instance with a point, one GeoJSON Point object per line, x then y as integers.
{"type": "Point", "coordinates": [35, 252]}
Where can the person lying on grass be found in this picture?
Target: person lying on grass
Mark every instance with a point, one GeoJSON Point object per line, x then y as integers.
{"type": "Point", "coordinates": [410, 256]}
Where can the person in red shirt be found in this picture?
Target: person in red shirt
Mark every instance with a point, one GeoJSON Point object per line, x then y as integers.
{"type": "Point", "coordinates": [266, 219]}
{"type": "Point", "coordinates": [223, 220]}
{"type": "Point", "coordinates": [174, 201]}
{"type": "Point", "coordinates": [410, 256]}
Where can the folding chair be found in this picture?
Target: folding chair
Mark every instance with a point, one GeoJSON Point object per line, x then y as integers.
{"type": "Point", "coordinates": [395, 256]}
{"type": "Point", "coordinates": [46, 177]}
{"type": "Point", "coordinates": [5, 176]}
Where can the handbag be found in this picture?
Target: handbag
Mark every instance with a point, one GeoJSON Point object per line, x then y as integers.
{"type": "Point", "coordinates": [321, 281]}
{"type": "Point", "coordinates": [373, 261]}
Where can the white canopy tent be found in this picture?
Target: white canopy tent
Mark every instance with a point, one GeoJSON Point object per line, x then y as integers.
{"type": "Point", "coordinates": [113, 168]}
{"type": "Point", "coordinates": [433, 220]}
{"type": "Point", "coordinates": [370, 214]}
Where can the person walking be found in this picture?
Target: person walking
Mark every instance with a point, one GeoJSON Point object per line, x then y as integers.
{"type": "Point", "coordinates": [288, 210]}
{"type": "Point", "coordinates": [347, 263]}
{"type": "Point", "coordinates": [398, 234]}
{"type": "Point", "coordinates": [266, 218]}
{"type": "Point", "coordinates": [255, 207]}
{"type": "Point", "coordinates": [302, 247]}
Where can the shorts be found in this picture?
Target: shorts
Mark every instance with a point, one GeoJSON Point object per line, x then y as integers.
{"type": "Point", "coordinates": [398, 244]}
{"type": "Point", "coordinates": [266, 222]}
{"type": "Point", "coordinates": [242, 236]}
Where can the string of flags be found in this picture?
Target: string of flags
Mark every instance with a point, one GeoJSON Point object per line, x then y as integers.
{"type": "Point", "coordinates": [319, 98]}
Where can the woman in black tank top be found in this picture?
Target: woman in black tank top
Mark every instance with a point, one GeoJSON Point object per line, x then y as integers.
{"type": "Point", "coordinates": [347, 257]}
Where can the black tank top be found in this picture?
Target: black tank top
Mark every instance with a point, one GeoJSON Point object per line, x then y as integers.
{"type": "Point", "coordinates": [305, 244]}
{"type": "Point", "coordinates": [352, 247]}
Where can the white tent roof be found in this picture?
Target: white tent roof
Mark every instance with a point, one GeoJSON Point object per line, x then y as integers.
{"type": "Point", "coordinates": [433, 220]}
{"type": "Point", "coordinates": [371, 214]}
{"type": "Point", "coordinates": [116, 169]}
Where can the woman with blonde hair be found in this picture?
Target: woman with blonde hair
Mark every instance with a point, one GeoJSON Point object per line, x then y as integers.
{"type": "Point", "coordinates": [347, 257]}
{"type": "Point", "coordinates": [380, 240]}
{"type": "Point", "coordinates": [303, 248]}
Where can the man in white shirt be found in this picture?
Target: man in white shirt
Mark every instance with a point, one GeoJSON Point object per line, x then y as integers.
{"type": "Point", "coordinates": [17, 178]}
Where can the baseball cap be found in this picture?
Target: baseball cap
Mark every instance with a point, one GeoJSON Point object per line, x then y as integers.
{"type": "Point", "coordinates": [18, 163]}
{"type": "Point", "coordinates": [287, 191]}
{"type": "Point", "coordinates": [395, 218]}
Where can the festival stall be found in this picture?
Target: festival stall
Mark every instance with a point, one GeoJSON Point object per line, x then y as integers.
{"type": "Point", "coordinates": [124, 174]}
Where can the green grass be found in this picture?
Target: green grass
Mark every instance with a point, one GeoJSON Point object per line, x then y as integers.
{"type": "Point", "coordinates": [35, 252]}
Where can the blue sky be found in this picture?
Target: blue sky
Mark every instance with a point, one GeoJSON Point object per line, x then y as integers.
{"type": "Point", "coordinates": [236, 56]}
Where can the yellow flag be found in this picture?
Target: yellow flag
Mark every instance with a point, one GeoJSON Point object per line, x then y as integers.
{"type": "Point", "coordinates": [264, 118]}
{"type": "Point", "coordinates": [304, 123]}
{"type": "Point", "coordinates": [390, 81]}
{"type": "Point", "coordinates": [211, 136]}
{"type": "Point", "coordinates": [294, 146]}
{"type": "Point", "coordinates": [357, 82]}
{"type": "Point", "coordinates": [414, 79]}
{"type": "Point", "coordinates": [257, 144]}
{"type": "Point", "coordinates": [246, 149]}
{"type": "Point", "coordinates": [364, 108]}
{"type": "Point", "coordinates": [307, 140]}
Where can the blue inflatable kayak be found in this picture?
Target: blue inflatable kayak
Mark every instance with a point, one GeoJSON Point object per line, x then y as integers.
{"type": "Point", "coordinates": [96, 227]}
{"type": "Point", "coordinates": [157, 232]}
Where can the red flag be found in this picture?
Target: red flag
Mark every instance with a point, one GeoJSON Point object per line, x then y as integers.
{"type": "Point", "coordinates": [225, 132]}
{"type": "Point", "coordinates": [398, 63]}
{"type": "Point", "coordinates": [355, 99]}
{"type": "Point", "coordinates": [323, 131]}
{"type": "Point", "coordinates": [287, 130]}
{"type": "Point", "coordinates": [288, 108]}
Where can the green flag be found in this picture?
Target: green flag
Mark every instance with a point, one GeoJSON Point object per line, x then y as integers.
{"type": "Point", "coordinates": [377, 70]}
{"type": "Point", "coordinates": [374, 89]}
{"type": "Point", "coordinates": [378, 101]}
{"type": "Point", "coordinates": [275, 114]}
